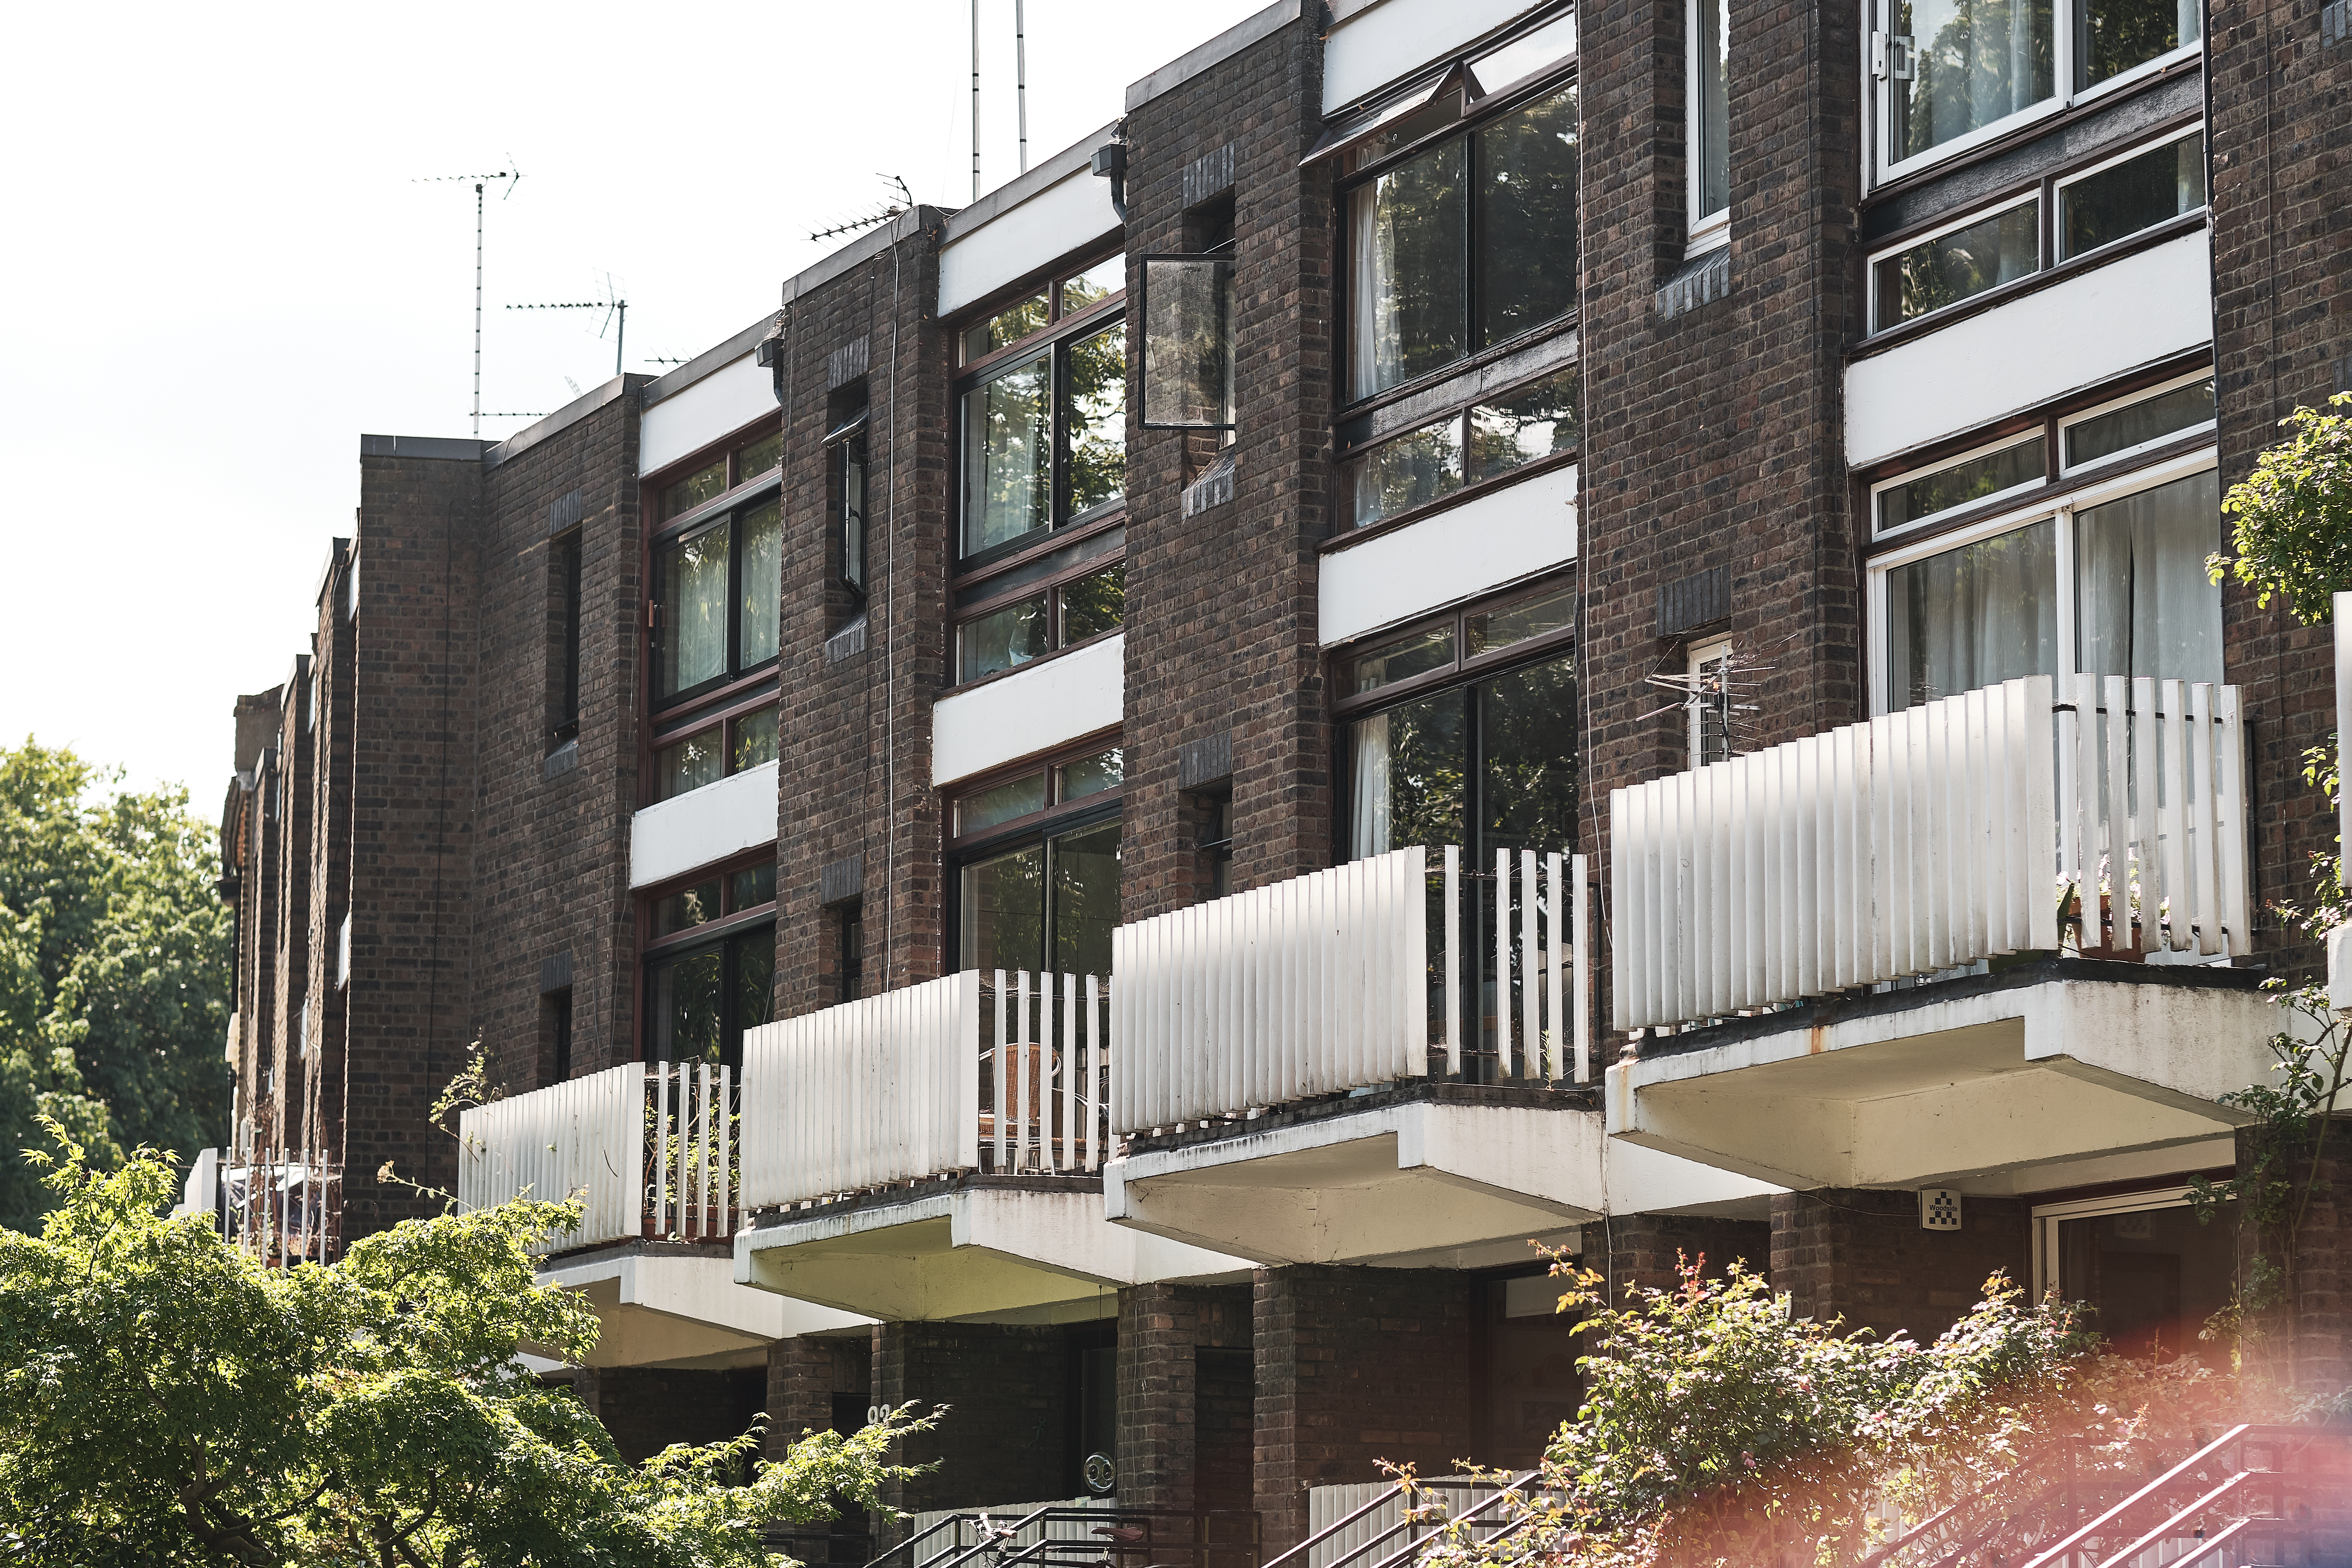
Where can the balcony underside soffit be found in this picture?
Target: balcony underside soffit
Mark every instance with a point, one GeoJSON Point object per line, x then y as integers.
{"type": "Point", "coordinates": [654, 1310]}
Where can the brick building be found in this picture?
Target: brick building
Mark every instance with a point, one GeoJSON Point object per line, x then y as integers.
{"type": "Point", "coordinates": [1476, 624]}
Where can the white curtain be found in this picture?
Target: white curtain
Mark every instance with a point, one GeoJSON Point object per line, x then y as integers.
{"type": "Point", "coordinates": [1974, 617]}
{"type": "Point", "coordinates": [1368, 813]}
{"type": "Point", "coordinates": [1375, 346]}
{"type": "Point", "coordinates": [2144, 604]}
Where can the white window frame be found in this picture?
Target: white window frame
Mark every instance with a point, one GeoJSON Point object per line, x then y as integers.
{"type": "Point", "coordinates": [1911, 476]}
{"type": "Point", "coordinates": [2058, 192]}
{"type": "Point", "coordinates": [2046, 1218]}
{"type": "Point", "coordinates": [1707, 231]}
{"type": "Point", "coordinates": [1878, 16]}
{"type": "Point", "coordinates": [1967, 220]}
{"type": "Point", "coordinates": [1702, 654]}
{"type": "Point", "coordinates": [2062, 510]}
{"type": "Point", "coordinates": [2069, 469]}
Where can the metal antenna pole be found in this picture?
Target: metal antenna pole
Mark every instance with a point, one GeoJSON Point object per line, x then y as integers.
{"type": "Point", "coordinates": [1021, 79]}
{"type": "Point", "coordinates": [620, 336]}
{"type": "Point", "coordinates": [478, 311]}
{"type": "Point", "coordinates": [975, 99]}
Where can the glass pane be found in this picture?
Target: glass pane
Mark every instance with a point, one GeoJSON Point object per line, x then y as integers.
{"type": "Point", "coordinates": [1188, 338]}
{"type": "Point", "coordinates": [853, 512]}
{"type": "Point", "coordinates": [1978, 61]}
{"type": "Point", "coordinates": [1527, 760]}
{"type": "Point", "coordinates": [1003, 911]}
{"type": "Point", "coordinates": [2136, 194]}
{"type": "Point", "coordinates": [984, 809]}
{"type": "Point", "coordinates": [1402, 124]}
{"type": "Point", "coordinates": [1525, 54]}
{"type": "Point", "coordinates": [1007, 456]}
{"type": "Point", "coordinates": [1525, 241]}
{"type": "Point", "coordinates": [1097, 382]}
{"type": "Point", "coordinates": [1973, 616]}
{"type": "Point", "coordinates": [695, 488]}
{"type": "Point", "coordinates": [1093, 286]}
{"type": "Point", "coordinates": [2022, 464]}
{"type": "Point", "coordinates": [689, 764]}
{"type": "Point", "coordinates": [758, 458]}
{"type": "Point", "coordinates": [1406, 776]}
{"type": "Point", "coordinates": [685, 908]}
{"type": "Point", "coordinates": [753, 959]}
{"type": "Point", "coordinates": [1405, 658]}
{"type": "Point", "coordinates": [1094, 604]}
{"type": "Point", "coordinates": [764, 582]}
{"type": "Point", "coordinates": [694, 614]}
{"type": "Point", "coordinates": [1091, 776]}
{"type": "Point", "coordinates": [2111, 36]}
{"type": "Point", "coordinates": [1409, 471]}
{"type": "Point", "coordinates": [2182, 408]}
{"type": "Point", "coordinates": [1086, 898]}
{"type": "Point", "coordinates": [752, 886]}
{"type": "Point", "coordinates": [1711, 52]}
{"type": "Point", "coordinates": [1007, 326]}
{"type": "Point", "coordinates": [1406, 230]}
{"type": "Point", "coordinates": [755, 740]}
{"type": "Point", "coordinates": [2154, 1278]}
{"type": "Point", "coordinates": [1520, 620]}
{"type": "Point", "coordinates": [1952, 266]}
{"type": "Point", "coordinates": [1539, 421]}
{"type": "Point", "coordinates": [2143, 604]}
{"type": "Point", "coordinates": [686, 1009]}
{"type": "Point", "coordinates": [1012, 635]}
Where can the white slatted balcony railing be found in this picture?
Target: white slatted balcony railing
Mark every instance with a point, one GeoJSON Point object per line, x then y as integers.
{"type": "Point", "coordinates": [1350, 978]}
{"type": "Point", "coordinates": [998, 1073]}
{"type": "Point", "coordinates": [649, 1149]}
{"type": "Point", "coordinates": [1925, 840]}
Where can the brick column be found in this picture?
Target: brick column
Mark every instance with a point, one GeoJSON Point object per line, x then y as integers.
{"type": "Point", "coordinates": [1175, 1396]}
{"type": "Point", "coordinates": [1644, 1249]}
{"type": "Point", "coordinates": [1861, 1254]}
{"type": "Point", "coordinates": [1355, 1365]}
{"type": "Point", "coordinates": [1004, 1438]}
{"type": "Point", "coordinates": [805, 1376]}
{"type": "Point", "coordinates": [647, 1408]}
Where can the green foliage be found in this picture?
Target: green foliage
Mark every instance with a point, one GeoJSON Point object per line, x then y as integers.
{"type": "Point", "coordinates": [2291, 517]}
{"type": "Point", "coordinates": [165, 1400]}
{"type": "Point", "coordinates": [114, 968]}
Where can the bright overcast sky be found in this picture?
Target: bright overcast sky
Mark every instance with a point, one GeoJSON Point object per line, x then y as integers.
{"type": "Point", "coordinates": [225, 268]}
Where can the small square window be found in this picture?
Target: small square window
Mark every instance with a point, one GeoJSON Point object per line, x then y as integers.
{"type": "Point", "coordinates": [686, 908]}
{"type": "Point", "coordinates": [752, 886]}
{"type": "Point", "coordinates": [1519, 621]}
{"type": "Point", "coordinates": [1006, 638]}
{"type": "Point", "coordinates": [1094, 604]}
{"type": "Point", "coordinates": [1095, 285]}
{"type": "Point", "coordinates": [758, 457]}
{"type": "Point", "coordinates": [755, 740]}
{"type": "Point", "coordinates": [1958, 264]}
{"type": "Point", "coordinates": [1405, 472]}
{"type": "Point", "coordinates": [1977, 478]}
{"type": "Point", "coordinates": [689, 764]}
{"type": "Point", "coordinates": [1007, 326]}
{"type": "Point", "coordinates": [1525, 426]}
{"type": "Point", "coordinates": [2134, 425]}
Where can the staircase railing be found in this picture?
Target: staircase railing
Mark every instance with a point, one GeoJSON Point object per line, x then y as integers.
{"type": "Point", "coordinates": [1364, 1538]}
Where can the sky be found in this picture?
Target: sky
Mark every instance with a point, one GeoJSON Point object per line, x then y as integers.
{"type": "Point", "coordinates": [237, 245]}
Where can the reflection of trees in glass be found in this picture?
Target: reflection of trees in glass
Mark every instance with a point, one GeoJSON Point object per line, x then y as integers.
{"type": "Point", "coordinates": [1408, 472]}
{"type": "Point", "coordinates": [1526, 243]}
{"type": "Point", "coordinates": [687, 995]}
{"type": "Point", "coordinates": [1961, 483]}
{"type": "Point", "coordinates": [1095, 603]}
{"type": "Point", "coordinates": [1188, 368]}
{"type": "Point", "coordinates": [753, 959]}
{"type": "Point", "coordinates": [2157, 184]}
{"type": "Point", "coordinates": [1427, 770]}
{"type": "Point", "coordinates": [1540, 421]}
{"type": "Point", "coordinates": [2117, 34]}
{"type": "Point", "coordinates": [1014, 635]}
{"type": "Point", "coordinates": [1978, 61]}
{"type": "Point", "coordinates": [694, 584]}
{"type": "Point", "coordinates": [1967, 261]}
{"type": "Point", "coordinates": [1007, 469]}
{"type": "Point", "coordinates": [1408, 229]}
{"type": "Point", "coordinates": [1004, 912]}
{"type": "Point", "coordinates": [1098, 383]}
{"type": "Point", "coordinates": [1086, 898]}
{"type": "Point", "coordinates": [1527, 736]}
{"type": "Point", "coordinates": [764, 582]}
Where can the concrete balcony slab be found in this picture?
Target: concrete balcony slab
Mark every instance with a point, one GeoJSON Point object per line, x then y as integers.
{"type": "Point", "coordinates": [659, 1303]}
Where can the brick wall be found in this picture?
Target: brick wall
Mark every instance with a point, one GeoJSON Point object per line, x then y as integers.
{"type": "Point", "coordinates": [647, 1408]}
{"type": "Point", "coordinates": [1646, 1251]}
{"type": "Point", "coordinates": [1860, 1255]}
{"type": "Point", "coordinates": [1355, 1365]}
{"type": "Point", "coordinates": [1004, 1438]}
{"type": "Point", "coordinates": [1177, 1398]}
{"type": "Point", "coordinates": [805, 1376]}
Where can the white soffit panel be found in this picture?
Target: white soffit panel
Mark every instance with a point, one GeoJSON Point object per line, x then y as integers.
{"type": "Point", "coordinates": [1470, 549]}
{"type": "Point", "coordinates": [1029, 711]}
{"type": "Point", "coordinates": [719, 404]}
{"type": "Point", "coordinates": [1057, 220]}
{"type": "Point", "coordinates": [2054, 341]}
{"type": "Point", "coordinates": [703, 825]}
{"type": "Point", "coordinates": [1384, 43]}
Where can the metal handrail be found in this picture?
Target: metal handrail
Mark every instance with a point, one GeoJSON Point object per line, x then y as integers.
{"type": "Point", "coordinates": [1329, 1530]}
{"type": "Point", "coordinates": [1396, 1494]}
{"type": "Point", "coordinates": [2065, 1548]}
{"type": "Point", "coordinates": [1413, 1549]}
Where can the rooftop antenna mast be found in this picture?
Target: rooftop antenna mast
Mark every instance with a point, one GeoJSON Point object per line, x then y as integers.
{"type": "Point", "coordinates": [975, 99]}
{"type": "Point", "coordinates": [1021, 79]}
{"type": "Point", "coordinates": [512, 176]}
{"type": "Point", "coordinates": [616, 312]}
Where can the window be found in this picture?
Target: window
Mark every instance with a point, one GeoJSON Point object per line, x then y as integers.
{"type": "Point", "coordinates": [710, 963]}
{"type": "Point", "coordinates": [1473, 446]}
{"type": "Point", "coordinates": [1981, 475]}
{"type": "Point", "coordinates": [1952, 74]}
{"type": "Point", "coordinates": [853, 952]}
{"type": "Point", "coordinates": [2135, 424]}
{"type": "Point", "coordinates": [563, 560]}
{"type": "Point", "coordinates": [1049, 899]}
{"type": "Point", "coordinates": [2137, 191]}
{"type": "Point", "coordinates": [1975, 254]}
{"type": "Point", "coordinates": [556, 1021]}
{"type": "Point", "coordinates": [847, 446]}
{"type": "Point", "coordinates": [721, 743]}
{"type": "Point", "coordinates": [343, 951]}
{"type": "Point", "coordinates": [1044, 602]}
{"type": "Point", "coordinates": [2153, 1274]}
{"type": "Point", "coordinates": [1707, 122]}
{"type": "Point", "coordinates": [1463, 243]}
{"type": "Point", "coordinates": [1711, 703]}
{"type": "Point", "coordinates": [721, 592]}
{"type": "Point", "coordinates": [713, 477]}
{"type": "Point", "coordinates": [1188, 343]}
{"type": "Point", "coordinates": [2112, 582]}
{"type": "Point", "coordinates": [1464, 731]}
{"type": "Point", "coordinates": [1044, 418]}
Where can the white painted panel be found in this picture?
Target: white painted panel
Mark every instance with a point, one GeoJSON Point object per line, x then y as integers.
{"type": "Point", "coordinates": [1387, 42]}
{"type": "Point", "coordinates": [703, 825]}
{"type": "Point", "coordinates": [719, 404]}
{"type": "Point", "coordinates": [1053, 223]}
{"type": "Point", "coordinates": [1481, 544]}
{"type": "Point", "coordinates": [2058, 339]}
{"type": "Point", "coordinates": [1029, 711]}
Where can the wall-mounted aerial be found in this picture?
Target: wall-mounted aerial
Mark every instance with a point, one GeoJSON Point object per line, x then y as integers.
{"type": "Point", "coordinates": [512, 176]}
{"type": "Point", "coordinates": [901, 201]}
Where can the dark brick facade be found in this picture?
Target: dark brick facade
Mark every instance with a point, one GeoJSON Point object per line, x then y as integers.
{"type": "Point", "coordinates": [647, 1408]}
{"type": "Point", "coordinates": [1004, 1438]}
{"type": "Point", "coordinates": [1860, 1255]}
{"type": "Point", "coordinates": [1185, 1397]}
{"type": "Point", "coordinates": [1649, 1251]}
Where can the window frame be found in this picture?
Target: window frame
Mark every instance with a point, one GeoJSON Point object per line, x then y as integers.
{"type": "Point", "coordinates": [1452, 74]}
{"type": "Point", "coordinates": [2017, 437]}
{"type": "Point", "coordinates": [2141, 147]}
{"type": "Point", "coordinates": [731, 923]}
{"type": "Point", "coordinates": [1701, 653]}
{"type": "Point", "coordinates": [1051, 586]}
{"type": "Point", "coordinates": [724, 717]}
{"type": "Point", "coordinates": [1349, 705]}
{"type": "Point", "coordinates": [1969, 219]}
{"type": "Point", "coordinates": [2064, 423]}
{"type": "Point", "coordinates": [2046, 1218]}
{"type": "Point", "coordinates": [1057, 818]}
{"type": "Point", "coordinates": [1344, 453]}
{"type": "Point", "coordinates": [848, 437]}
{"type": "Point", "coordinates": [1703, 232]}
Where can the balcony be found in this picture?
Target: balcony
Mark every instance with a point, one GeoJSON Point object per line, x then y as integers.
{"type": "Point", "coordinates": [1376, 1063]}
{"type": "Point", "coordinates": [936, 1152]}
{"type": "Point", "coordinates": [650, 1150]}
{"type": "Point", "coordinates": [1986, 942]}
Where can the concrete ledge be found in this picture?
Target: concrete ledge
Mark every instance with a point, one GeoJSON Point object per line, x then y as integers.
{"type": "Point", "coordinates": [703, 827]}
{"type": "Point", "coordinates": [658, 1303]}
{"type": "Point", "coordinates": [1224, 45]}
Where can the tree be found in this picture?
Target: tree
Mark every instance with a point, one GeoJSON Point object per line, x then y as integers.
{"type": "Point", "coordinates": [2291, 517]}
{"type": "Point", "coordinates": [166, 1400]}
{"type": "Point", "coordinates": [114, 967]}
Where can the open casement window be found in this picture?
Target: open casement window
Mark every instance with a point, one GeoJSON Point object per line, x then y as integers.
{"type": "Point", "coordinates": [1037, 873]}
{"type": "Point", "coordinates": [2143, 1263]}
{"type": "Point", "coordinates": [709, 965]}
{"type": "Point", "coordinates": [1706, 128]}
{"type": "Point", "coordinates": [1188, 343]}
{"type": "Point", "coordinates": [1954, 74]}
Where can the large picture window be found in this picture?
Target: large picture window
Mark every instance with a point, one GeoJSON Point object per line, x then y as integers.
{"type": "Point", "coordinates": [2150, 1271]}
{"type": "Point", "coordinates": [710, 959]}
{"type": "Point", "coordinates": [1458, 241]}
{"type": "Point", "coordinates": [1039, 888]}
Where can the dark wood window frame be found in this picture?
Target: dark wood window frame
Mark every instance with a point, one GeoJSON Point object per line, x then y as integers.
{"type": "Point", "coordinates": [1345, 452]}
{"type": "Point", "coordinates": [1057, 813]}
{"type": "Point", "coordinates": [732, 922]}
{"type": "Point", "coordinates": [1346, 705]}
{"type": "Point", "coordinates": [759, 695]}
